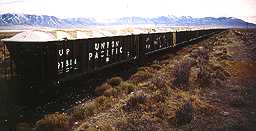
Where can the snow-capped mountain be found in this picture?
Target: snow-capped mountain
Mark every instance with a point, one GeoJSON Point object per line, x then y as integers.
{"type": "Point", "coordinates": [52, 21]}
{"type": "Point", "coordinates": [34, 20]}
{"type": "Point", "coordinates": [42, 20]}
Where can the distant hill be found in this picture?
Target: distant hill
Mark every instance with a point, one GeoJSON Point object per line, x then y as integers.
{"type": "Point", "coordinates": [52, 21]}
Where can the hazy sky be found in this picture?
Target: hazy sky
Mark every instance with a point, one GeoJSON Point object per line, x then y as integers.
{"type": "Point", "coordinates": [104, 9]}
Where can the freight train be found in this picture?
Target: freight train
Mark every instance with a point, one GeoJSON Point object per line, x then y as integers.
{"type": "Point", "coordinates": [60, 60]}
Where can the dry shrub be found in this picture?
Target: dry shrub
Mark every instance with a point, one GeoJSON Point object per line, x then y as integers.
{"type": "Point", "coordinates": [147, 69]}
{"type": "Point", "coordinates": [85, 110]}
{"type": "Point", "coordinates": [140, 76]}
{"type": "Point", "coordinates": [137, 124]}
{"type": "Point", "coordinates": [220, 73]}
{"type": "Point", "coordinates": [201, 107]}
{"type": "Point", "coordinates": [158, 96]}
{"type": "Point", "coordinates": [181, 73]}
{"type": "Point", "coordinates": [105, 128]}
{"type": "Point", "coordinates": [103, 102]}
{"type": "Point", "coordinates": [201, 55]}
{"type": "Point", "coordinates": [91, 129]}
{"type": "Point", "coordinates": [159, 81]}
{"type": "Point", "coordinates": [53, 122]}
{"type": "Point", "coordinates": [162, 111]}
{"type": "Point", "coordinates": [23, 127]}
{"type": "Point", "coordinates": [115, 81]}
{"type": "Point", "coordinates": [78, 113]}
{"type": "Point", "coordinates": [156, 66]}
{"type": "Point", "coordinates": [204, 76]}
{"type": "Point", "coordinates": [184, 114]}
{"type": "Point", "coordinates": [126, 87]}
{"type": "Point", "coordinates": [238, 101]}
{"type": "Point", "coordinates": [134, 102]}
{"type": "Point", "coordinates": [90, 109]}
{"type": "Point", "coordinates": [100, 89]}
{"type": "Point", "coordinates": [110, 92]}
{"type": "Point", "coordinates": [160, 85]}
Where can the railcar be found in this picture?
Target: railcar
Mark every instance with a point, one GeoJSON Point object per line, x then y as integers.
{"type": "Point", "coordinates": [60, 60]}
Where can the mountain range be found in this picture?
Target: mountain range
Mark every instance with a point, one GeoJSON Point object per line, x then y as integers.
{"type": "Point", "coordinates": [10, 19]}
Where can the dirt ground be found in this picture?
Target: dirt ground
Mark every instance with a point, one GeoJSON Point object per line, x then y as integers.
{"type": "Point", "coordinates": [210, 85]}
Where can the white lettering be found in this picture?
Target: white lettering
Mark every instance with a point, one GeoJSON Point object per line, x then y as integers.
{"type": "Point", "coordinates": [121, 49]}
{"type": "Point", "coordinates": [102, 45]}
{"type": "Point", "coordinates": [67, 51]}
{"type": "Point", "coordinates": [58, 65]}
{"type": "Point", "coordinates": [107, 53]}
{"type": "Point", "coordinates": [112, 51]}
{"type": "Point", "coordinates": [96, 55]}
{"type": "Point", "coordinates": [61, 52]}
{"type": "Point", "coordinates": [90, 56]}
{"type": "Point", "coordinates": [67, 63]}
{"type": "Point", "coordinates": [96, 46]}
{"type": "Point", "coordinates": [107, 44]}
{"type": "Point", "coordinates": [75, 62]}
{"type": "Point", "coordinates": [102, 53]}
{"type": "Point", "coordinates": [107, 59]}
{"type": "Point", "coordinates": [70, 61]}
{"type": "Point", "coordinates": [62, 64]}
{"type": "Point", "coordinates": [113, 44]}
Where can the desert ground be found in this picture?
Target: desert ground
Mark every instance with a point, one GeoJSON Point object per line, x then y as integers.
{"type": "Point", "coordinates": [210, 85]}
